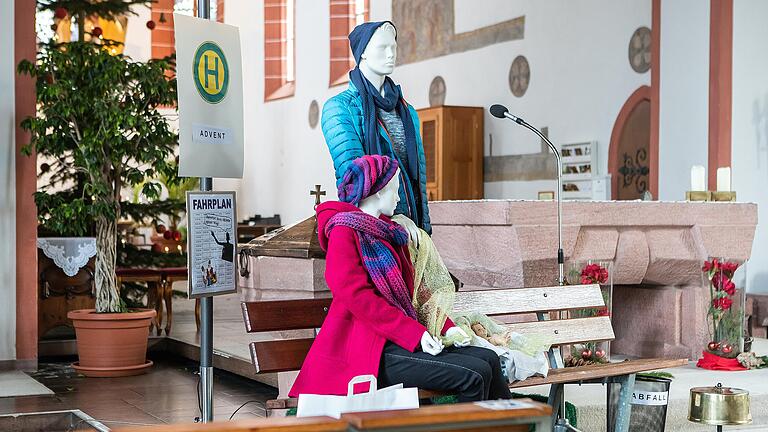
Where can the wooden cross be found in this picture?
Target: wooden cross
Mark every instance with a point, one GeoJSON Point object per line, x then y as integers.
{"type": "Point", "coordinates": [317, 193]}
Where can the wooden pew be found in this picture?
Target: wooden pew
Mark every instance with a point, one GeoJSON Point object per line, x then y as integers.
{"type": "Point", "coordinates": [458, 417]}
{"type": "Point", "coordinates": [275, 424]}
{"type": "Point", "coordinates": [288, 355]}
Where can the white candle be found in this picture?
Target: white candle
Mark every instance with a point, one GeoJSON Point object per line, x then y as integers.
{"type": "Point", "coordinates": [724, 179]}
{"type": "Point", "coordinates": [698, 180]}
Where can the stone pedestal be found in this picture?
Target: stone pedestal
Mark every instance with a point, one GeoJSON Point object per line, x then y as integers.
{"type": "Point", "coordinates": [658, 248]}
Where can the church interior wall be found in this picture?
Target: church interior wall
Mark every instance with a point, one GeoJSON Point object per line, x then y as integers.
{"type": "Point", "coordinates": [750, 125]}
{"type": "Point", "coordinates": [580, 77]}
{"type": "Point", "coordinates": [7, 185]}
{"type": "Point", "coordinates": [684, 95]}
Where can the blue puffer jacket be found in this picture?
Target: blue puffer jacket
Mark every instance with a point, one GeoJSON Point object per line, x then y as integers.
{"type": "Point", "coordinates": [343, 127]}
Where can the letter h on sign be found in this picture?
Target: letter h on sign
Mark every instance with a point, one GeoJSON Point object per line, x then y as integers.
{"type": "Point", "coordinates": [212, 72]}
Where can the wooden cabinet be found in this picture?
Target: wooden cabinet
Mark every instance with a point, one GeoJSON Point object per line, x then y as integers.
{"type": "Point", "coordinates": [453, 145]}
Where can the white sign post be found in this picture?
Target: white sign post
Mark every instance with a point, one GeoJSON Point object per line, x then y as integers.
{"type": "Point", "coordinates": [210, 85]}
{"type": "Point", "coordinates": [210, 89]}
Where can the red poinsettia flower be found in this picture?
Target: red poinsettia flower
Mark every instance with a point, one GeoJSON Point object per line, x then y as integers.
{"type": "Point", "coordinates": [707, 266]}
{"type": "Point", "coordinates": [729, 287]}
{"type": "Point", "coordinates": [729, 268]}
{"type": "Point", "coordinates": [603, 311]}
{"type": "Point", "coordinates": [594, 274]}
{"type": "Point", "coordinates": [723, 303]}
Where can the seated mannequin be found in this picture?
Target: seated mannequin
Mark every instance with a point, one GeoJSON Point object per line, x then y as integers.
{"type": "Point", "coordinates": [372, 327]}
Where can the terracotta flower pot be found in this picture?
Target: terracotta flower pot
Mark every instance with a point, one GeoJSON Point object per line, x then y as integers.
{"type": "Point", "coordinates": [112, 344]}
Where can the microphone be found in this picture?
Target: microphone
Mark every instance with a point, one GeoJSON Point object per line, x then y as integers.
{"type": "Point", "coordinates": [501, 111]}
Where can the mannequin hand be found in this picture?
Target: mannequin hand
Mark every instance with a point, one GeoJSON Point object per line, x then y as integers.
{"type": "Point", "coordinates": [462, 338]}
{"type": "Point", "coordinates": [410, 226]}
{"type": "Point", "coordinates": [431, 344]}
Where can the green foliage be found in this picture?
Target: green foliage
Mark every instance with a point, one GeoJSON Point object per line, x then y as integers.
{"type": "Point", "coordinates": [104, 9]}
{"type": "Point", "coordinates": [98, 119]}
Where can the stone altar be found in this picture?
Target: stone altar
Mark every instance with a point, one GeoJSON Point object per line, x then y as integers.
{"type": "Point", "coordinates": [659, 303]}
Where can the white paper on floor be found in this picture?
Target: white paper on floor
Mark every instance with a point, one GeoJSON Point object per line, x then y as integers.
{"type": "Point", "coordinates": [17, 383]}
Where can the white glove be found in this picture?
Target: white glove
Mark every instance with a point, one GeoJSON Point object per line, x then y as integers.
{"type": "Point", "coordinates": [457, 332]}
{"type": "Point", "coordinates": [410, 226]}
{"type": "Point", "coordinates": [431, 344]}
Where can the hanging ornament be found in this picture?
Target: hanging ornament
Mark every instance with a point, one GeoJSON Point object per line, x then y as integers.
{"type": "Point", "coordinates": [49, 78]}
{"type": "Point", "coordinates": [176, 236]}
{"type": "Point", "coordinates": [97, 32]}
{"type": "Point", "coordinates": [160, 229]}
{"type": "Point", "coordinates": [726, 349]}
{"type": "Point", "coordinates": [599, 353]}
{"type": "Point", "coordinates": [167, 235]}
{"type": "Point", "coordinates": [151, 24]}
{"type": "Point", "coordinates": [60, 13]}
{"type": "Point", "coordinates": [586, 354]}
{"type": "Point", "coordinates": [162, 18]}
{"type": "Point", "coordinates": [713, 346]}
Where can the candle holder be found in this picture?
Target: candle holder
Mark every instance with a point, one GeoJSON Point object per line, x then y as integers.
{"type": "Point", "coordinates": [698, 196]}
{"type": "Point", "coordinates": [729, 196]}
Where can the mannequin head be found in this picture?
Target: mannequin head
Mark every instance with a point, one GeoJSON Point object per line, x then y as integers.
{"type": "Point", "coordinates": [379, 57]}
{"type": "Point", "coordinates": [384, 201]}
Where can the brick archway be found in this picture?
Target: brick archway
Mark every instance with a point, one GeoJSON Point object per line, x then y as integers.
{"type": "Point", "coordinates": [639, 96]}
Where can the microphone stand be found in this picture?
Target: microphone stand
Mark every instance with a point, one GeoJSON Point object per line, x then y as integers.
{"type": "Point", "coordinates": [562, 424]}
{"type": "Point", "coordinates": [560, 254]}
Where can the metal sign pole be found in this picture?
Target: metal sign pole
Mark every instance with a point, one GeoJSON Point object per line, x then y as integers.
{"type": "Point", "coordinates": [206, 303]}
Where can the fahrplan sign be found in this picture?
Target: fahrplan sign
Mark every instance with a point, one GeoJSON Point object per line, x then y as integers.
{"type": "Point", "coordinates": [211, 243]}
{"type": "Point", "coordinates": [210, 87]}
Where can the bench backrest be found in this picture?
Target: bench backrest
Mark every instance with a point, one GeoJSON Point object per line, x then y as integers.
{"type": "Point", "coordinates": [287, 355]}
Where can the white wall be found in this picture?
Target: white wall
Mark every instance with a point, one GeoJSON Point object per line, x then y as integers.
{"type": "Point", "coordinates": [684, 94]}
{"type": "Point", "coordinates": [750, 125]}
{"type": "Point", "coordinates": [138, 38]}
{"type": "Point", "coordinates": [7, 186]}
{"type": "Point", "coordinates": [580, 79]}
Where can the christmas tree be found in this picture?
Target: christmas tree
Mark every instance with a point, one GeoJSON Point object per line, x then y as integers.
{"type": "Point", "coordinates": [100, 131]}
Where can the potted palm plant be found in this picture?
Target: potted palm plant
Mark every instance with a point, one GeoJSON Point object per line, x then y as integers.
{"type": "Point", "coordinates": [99, 124]}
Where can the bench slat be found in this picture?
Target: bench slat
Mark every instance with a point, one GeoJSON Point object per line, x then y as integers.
{"type": "Point", "coordinates": [568, 331]}
{"type": "Point", "coordinates": [555, 376]}
{"type": "Point", "coordinates": [526, 300]}
{"type": "Point", "coordinates": [279, 355]}
{"type": "Point", "coordinates": [278, 315]}
{"type": "Point", "coordinates": [287, 355]}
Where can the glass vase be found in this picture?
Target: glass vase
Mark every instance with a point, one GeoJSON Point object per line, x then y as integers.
{"type": "Point", "coordinates": [587, 272]}
{"type": "Point", "coordinates": [725, 279]}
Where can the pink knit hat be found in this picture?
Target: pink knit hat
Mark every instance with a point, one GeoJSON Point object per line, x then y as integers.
{"type": "Point", "coordinates": [366, 176]}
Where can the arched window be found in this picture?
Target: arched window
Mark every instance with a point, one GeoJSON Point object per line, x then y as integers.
{"type": "Point", "coordinates": [345, 15]}
{"type": "Point", "coordinates": [279, 49]}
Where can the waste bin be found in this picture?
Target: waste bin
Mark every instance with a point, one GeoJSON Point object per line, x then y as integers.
{"type": "Point", "coordinates": [649, 404]}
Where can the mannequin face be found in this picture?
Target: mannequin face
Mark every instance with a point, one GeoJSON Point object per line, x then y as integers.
{"type": "Point", "coordinates": [383, 202]}
{"type": "Point", "coordinates": [380, 55]}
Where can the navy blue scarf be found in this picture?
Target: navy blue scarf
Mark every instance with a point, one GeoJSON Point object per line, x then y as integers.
{"type": "Point", "coordinates": [391, 100]}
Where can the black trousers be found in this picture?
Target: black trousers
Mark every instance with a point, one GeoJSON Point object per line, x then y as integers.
{"type": "Point", "coordinates": [473, 373]}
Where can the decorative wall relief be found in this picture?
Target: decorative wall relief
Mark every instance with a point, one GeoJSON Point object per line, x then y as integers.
{"type": "Point", "coordinates": [314, 114]}
{"type": "Point", "coordinates": [437, 92]}
{"type": "Point", "coordinates": [640, 50]}
{"type": "Point", "coordinates": [425, 30]}
{"type": "Point", "coordinates": [519, 76]}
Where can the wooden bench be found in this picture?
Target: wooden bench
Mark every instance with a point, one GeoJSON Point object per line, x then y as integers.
{"type": "Point", "coordinates": [288, 355]}
{"type": "Point", "coordinates": [465, 416]}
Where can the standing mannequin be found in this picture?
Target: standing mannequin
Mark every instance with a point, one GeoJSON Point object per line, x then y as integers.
{"type": "Point", "coordinates": [371, 117]}
{"type": "Point", "coordinates": [372, 326]}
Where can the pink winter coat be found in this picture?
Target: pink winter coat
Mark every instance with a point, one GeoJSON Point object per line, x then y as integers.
{"type": "Point", "coordinates": [360, 321]}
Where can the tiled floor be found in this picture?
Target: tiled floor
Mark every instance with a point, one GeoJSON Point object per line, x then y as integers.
{"type": "Point", "coordinates": [167, 394]}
